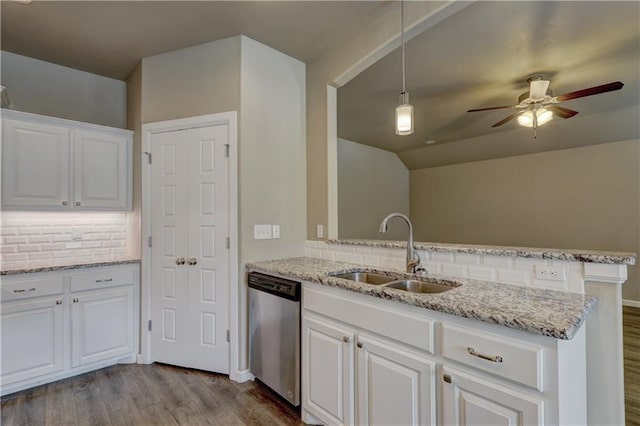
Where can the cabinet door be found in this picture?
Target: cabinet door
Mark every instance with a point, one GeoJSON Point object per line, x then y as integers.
{"type": "Point", "coordinates": [35, 165]}
{"type": "Point", "coordinates": [328, 371]}
{"type": "Point", "coordinates": [32, 339]}
{"type": "Point", "coordinates": [102, 325]}
{"type": "Point", "coordinates": [102, 173]}
{"type": "Point", "coordinates": [470, 400]}
{"type": "Point", "coordinates": [395, 387]}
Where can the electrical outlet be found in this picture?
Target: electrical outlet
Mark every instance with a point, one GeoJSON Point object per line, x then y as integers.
{"type": "Point", "coordinates": [319, 231]}
{"type": "Point", "coordinates": [275, 231]}
{"type": "Point", "coordinates": [550, 273]}
{"type": "Point", "coordinates": [261, 232]}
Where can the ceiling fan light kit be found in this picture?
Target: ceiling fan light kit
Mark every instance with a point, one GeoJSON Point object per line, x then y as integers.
{"type": "Point", "coordinates": [404, 111]}
{"type": "Point", "coordinates": [540, 106]}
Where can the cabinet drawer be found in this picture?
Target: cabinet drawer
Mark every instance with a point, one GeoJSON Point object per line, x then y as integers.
{"type": "Point", "coordinates": [16, 289]}
{"type": "Point", "coordinates": [111, 277]}
{"type": "Point", "coordinates": [509, 358]}
{"type": "Point", "coordinates": [401, 326]}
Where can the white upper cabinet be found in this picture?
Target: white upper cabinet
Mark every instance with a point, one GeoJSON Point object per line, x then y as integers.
{"type": "Point", "coordinates": [55, 164]}
{"type": "Point", "coordinates": [35, 164]}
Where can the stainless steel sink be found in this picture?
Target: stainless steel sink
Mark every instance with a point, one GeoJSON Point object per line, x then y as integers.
{"type": "Point", "coordinates": [415, 286]}
{"type": "Point", "coordinates": [365, 277]}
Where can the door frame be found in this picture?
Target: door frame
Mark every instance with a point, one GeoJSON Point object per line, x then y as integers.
{"type": "Point", "coordinates": [148, 130]}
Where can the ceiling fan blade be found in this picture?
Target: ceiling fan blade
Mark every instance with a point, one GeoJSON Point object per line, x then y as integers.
{"type": "Point", "coordinates": [491, 108]}
{"type": "Point", "coordinates": [538, 88]}
{"type": "Point", "coordinates": [561, 112]}
{"type": "Point", "coordinates": [508, 118]}
{"type": "Point", "coordinates": [609, 87]}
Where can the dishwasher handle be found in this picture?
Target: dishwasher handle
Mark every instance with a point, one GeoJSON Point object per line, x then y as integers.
{"type": "Point", "coordinates": [274, 285]}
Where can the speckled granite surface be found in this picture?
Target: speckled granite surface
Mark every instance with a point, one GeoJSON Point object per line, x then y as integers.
{"type": "Point", "coordinates": [65, 267]}
{"type": "Point", "coordinates": [591, 256]}
{"type": "Point", "coordinates": [547, 312]}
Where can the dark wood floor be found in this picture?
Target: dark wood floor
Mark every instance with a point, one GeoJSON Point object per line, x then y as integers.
{"type": "Point", "coordinates": [631, 323]}
{"type": "Point", "coordinates": [154, 394]}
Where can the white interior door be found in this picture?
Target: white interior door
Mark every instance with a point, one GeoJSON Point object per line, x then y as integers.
{"type": "Point", "coordinates": [189, 273]}
{"type": "Point", "coordinates": [208, 229]}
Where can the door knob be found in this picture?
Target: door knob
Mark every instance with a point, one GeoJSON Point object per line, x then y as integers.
{"type": "Point", "coordinates": [180, 260]}
{"type": "Point", "coordinates": [192, 261]}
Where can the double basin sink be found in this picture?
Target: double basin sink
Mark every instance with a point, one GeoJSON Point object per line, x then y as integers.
{"type": "Point", "coordinates": [410, 285]}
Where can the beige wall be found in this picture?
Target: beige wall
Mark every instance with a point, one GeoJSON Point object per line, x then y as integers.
{"type": "Point", "coordinates": [198, 80]}
{"type": "Point", "coordinates": [134, 122]}
{"type": "Point", "coordinates": [372, 183]}
{"type": "Point", "coordinates": [49, 89]}
{"type": "Point", "coordinates": [585, 198]}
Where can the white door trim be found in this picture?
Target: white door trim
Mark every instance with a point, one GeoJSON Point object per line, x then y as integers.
{"type": "Point", "coordinates": [231, 119]}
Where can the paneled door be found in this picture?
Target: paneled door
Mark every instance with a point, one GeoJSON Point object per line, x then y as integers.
{"type": "Point", "coordinates": [190, 268]}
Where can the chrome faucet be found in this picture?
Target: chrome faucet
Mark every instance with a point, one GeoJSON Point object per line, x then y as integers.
{"type": "Point", "coordinates": [413, 259]}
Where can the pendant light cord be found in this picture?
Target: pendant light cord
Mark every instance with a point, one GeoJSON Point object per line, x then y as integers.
{"type": "Point", "coordinates": [402, 32]}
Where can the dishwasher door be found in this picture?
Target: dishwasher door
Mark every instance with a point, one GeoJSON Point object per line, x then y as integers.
{"type": "Point", "coordinates": [274, 334]}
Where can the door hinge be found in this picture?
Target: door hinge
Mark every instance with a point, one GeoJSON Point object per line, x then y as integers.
{"type": "Point", "coordinates": [226, 149]}
{"type": "Point", "coordinates": [228, 335]}
{"type": "Point", "coordinates": [148, 154]}
{"type": "Point", "coordinates": [150, 327]}
{"type": "Point", "coordinates": [228, 243]}
{"type": "Point", "coordinates": [149, 241]}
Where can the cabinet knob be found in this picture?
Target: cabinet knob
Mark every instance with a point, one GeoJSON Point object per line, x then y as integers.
{"type": "Point", "coordinates": [65, 203]}
{"type": "Point", "coordinates": [446, 378]}
{"type": "Point", "coordinates": [193, 261]}
{"type": "Point", "coordinates": [77, 203]}
{"type": "Point", "coordinates": [345, 339]}
{"type": "Point", "coordinates": [180, 260]}
{"type": "Point", "coordinates": [360, 345]}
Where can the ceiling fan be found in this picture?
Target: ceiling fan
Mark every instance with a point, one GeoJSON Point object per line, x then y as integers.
{"type": "Point", "coordinates": [538, 105]}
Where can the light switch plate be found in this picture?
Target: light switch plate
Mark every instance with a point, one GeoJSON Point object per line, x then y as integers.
{"type": "Point", "coordinates": [261, 232]}
{"type": "Point", "coordinates": [275, 231]}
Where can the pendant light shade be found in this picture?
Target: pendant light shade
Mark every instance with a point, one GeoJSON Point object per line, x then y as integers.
{"type": "Point", "coordinates": [404, 111]}
{"type": "Point", "coordinates": [404, 116]}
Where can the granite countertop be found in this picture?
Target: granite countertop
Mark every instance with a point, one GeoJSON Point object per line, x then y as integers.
{"type": "Point", "coordinates": [551, 313]}
{"type": "Point", "coordinates": [575, 255]}
{"type": "Point", "coordinates": [81, 265]}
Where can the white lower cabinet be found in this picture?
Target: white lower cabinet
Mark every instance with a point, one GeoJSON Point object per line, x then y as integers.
{"type": "Point", "coordinates": [328, 384]}
{"type": "Point", "coordinates": [370, 361]}
{"type": "Point", "coordinates": [394, 387]}
{"type": "Point", "coordinates": [470, 400]}
{"type": "Point", "coordinates": [102, 325]}
{"type": "Point", "coordinates": [59, 324]}
{"type": "Point", "coordinates": [32, 338]}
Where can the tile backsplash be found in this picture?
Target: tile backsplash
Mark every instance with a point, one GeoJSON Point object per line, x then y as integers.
{"type": "Point", "coordinates": [35, 239]}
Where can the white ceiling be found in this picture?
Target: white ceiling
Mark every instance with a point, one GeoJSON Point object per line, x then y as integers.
{"type": "Point", "coordinates": [481, 57]}
{"type": "Point", "coordinates": [110, 37]}
{"type": "Point", "coordinates": [476, 58]}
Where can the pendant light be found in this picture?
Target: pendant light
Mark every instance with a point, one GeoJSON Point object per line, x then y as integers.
{"type": "Point", "coordinates": [404, 111]}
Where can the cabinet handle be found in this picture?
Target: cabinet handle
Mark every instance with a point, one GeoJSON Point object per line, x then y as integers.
{"type": "Point", "coordinates": [75, 300]}
{"type": "Point", "coordinates": [65, 203]}
{"type": "Point", "coordinates": [193, 261]}
{"type": "Point", "coordinates": [494, 358]}
{"type": "Point", "coordinates": [446, 378]}
{"type": "Point", "coordinates": [77, 203]}
{"type": "Point", "coordinates": [180, 260]}
{"type": "Point", "coordinates": [360, 345]}
{"type": "Point", "coordinates": [21, 290]}
{"type": "Point", "coordinates": [58, 302]}
{"type": "Point", "coordinates": [345, 339]}
{"type": "Point", "coordinates": [105, 281]}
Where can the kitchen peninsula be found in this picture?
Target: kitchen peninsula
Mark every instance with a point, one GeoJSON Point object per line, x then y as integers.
{"type": "Point", "coordinates": [512, 330]}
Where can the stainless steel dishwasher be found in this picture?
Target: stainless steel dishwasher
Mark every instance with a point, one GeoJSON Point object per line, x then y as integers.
{"type": "Point", "coordinates": [274, 334]}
